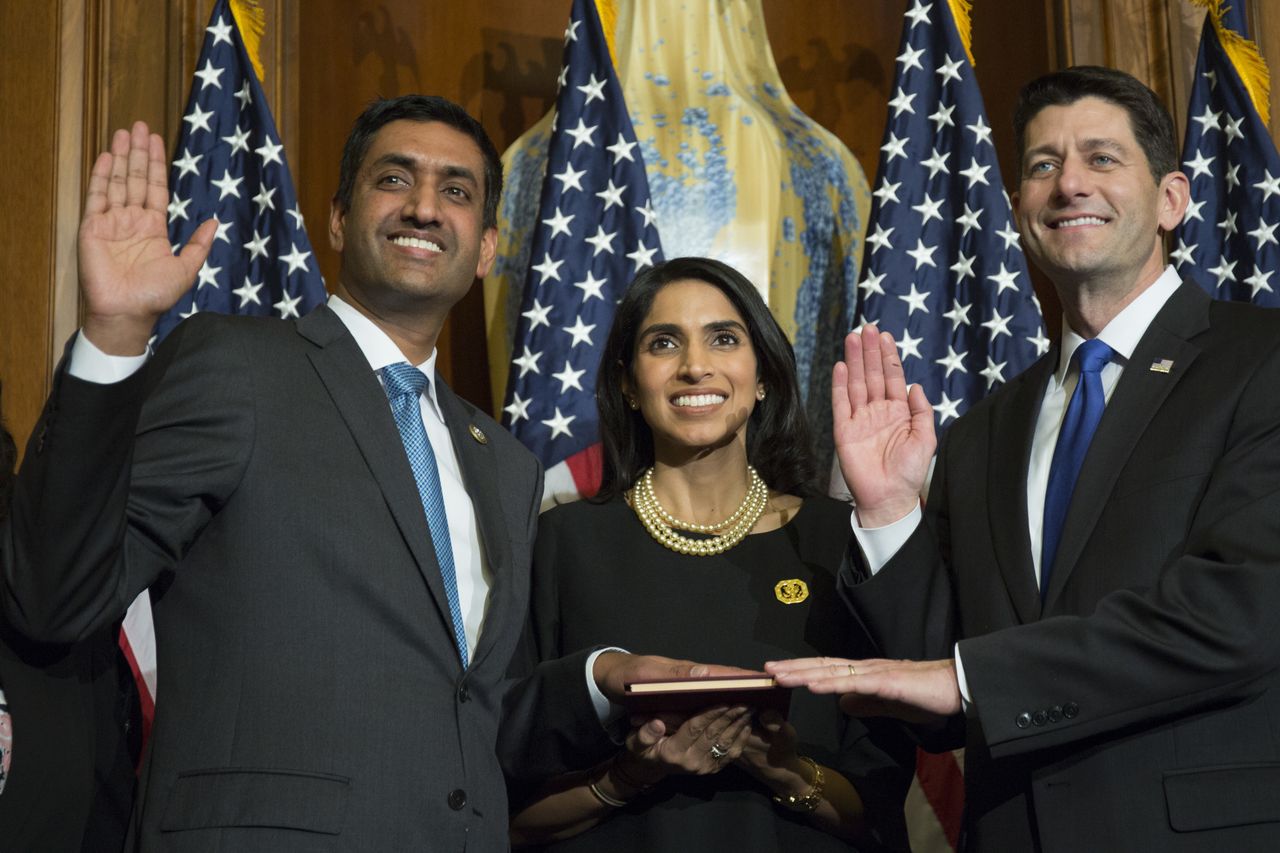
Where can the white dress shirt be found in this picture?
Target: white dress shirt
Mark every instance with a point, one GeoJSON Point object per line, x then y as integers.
{"type": "Point", "coordinates": [1122, 334]}
{"type": "Point", "coordinates": [470, 565]}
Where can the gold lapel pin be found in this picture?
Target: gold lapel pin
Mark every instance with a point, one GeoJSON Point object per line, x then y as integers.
{"type": "Point", "coordinates": [477, 434]}
{"type": "Point", "coordinates": [1162, 365]}
{"type": "Point", "coordinates": [791, 591]}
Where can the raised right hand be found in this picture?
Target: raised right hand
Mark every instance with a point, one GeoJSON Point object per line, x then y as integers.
{"type": "Point", "coordinates": [883, 431]}
{"type": "Point", "coordinates": [129, 275]}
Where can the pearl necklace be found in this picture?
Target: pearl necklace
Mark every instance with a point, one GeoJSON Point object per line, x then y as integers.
{"type": "Point", "coordinates": [662, 525]}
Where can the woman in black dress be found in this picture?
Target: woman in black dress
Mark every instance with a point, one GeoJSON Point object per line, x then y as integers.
{"type": "Point", "coordinates": [708, 541]}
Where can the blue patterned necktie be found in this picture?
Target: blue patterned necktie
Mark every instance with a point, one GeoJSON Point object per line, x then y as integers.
{"type": "Point", "coordinates": [404, 385]}
{"type": "Point", "coordinates": [1083, 414]}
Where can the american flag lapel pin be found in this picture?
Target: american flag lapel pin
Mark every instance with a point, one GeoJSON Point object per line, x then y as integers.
{"type": "Point", "coordinates": [477, 434]}
{"type": "Point", "coordinates": [1162, 365]}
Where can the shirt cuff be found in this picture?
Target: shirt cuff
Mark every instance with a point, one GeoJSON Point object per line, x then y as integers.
{"type": "Point", "coordinates": [607, 712]}
{"type": "Point", "coordinates": [93, 365]}
{"type": "Point", "coordinates": [879, 544]}
{"type": "Point", "coordinates": [965, 700]}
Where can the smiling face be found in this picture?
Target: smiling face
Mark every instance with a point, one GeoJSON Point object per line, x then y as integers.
{"type": "Point", "coordinates": [412, 238]}
{"type": "Point", "coordinates": [1088, 208]}
{"type": "Point", "coordinates": [695, 374]}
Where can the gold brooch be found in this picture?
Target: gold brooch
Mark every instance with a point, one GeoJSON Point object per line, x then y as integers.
{"type": "Point", "coordinates": [477, 434]}
{"type": "Point", "coordinates": [791, 591]}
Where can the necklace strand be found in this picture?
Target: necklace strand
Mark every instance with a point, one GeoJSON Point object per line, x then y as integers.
{"type": "Point", "coordinates": [662, 525]}
{"type": "Point", "coordinates": [646, 488]}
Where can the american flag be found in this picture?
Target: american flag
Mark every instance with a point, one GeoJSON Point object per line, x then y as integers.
{"type": "Point", "coordinates": [944, 273]}
{"type": "Point", "coordinates": [942, 268]}
{"type": "Point", "coordinates": [596, 230]}
{"type": "Point", "coordinates": [1227, 241]}
{"type": "Point", "coordinates": [228, 163]}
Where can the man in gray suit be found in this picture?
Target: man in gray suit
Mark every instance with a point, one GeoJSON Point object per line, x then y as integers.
{"type": "Point", "coordinates": [1095, 580]}
{"type": "Point", "coordinates": [334, 663]}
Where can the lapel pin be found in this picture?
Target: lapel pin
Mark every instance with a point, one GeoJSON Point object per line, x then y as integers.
{"type": "Point", "coordinates": [791, 591]}
{"type": "Point", "coordinates": [480, 437]}
{"type": "Point", "coordinates": [1162, 365]}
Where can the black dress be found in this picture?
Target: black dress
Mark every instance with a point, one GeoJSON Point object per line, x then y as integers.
{"type": "Point", "coordinates": [600, 579]}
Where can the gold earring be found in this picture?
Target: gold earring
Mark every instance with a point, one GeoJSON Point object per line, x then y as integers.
{"type": "Point", "coordinates": [760, 393]}
{"type": "Point", "coordinates": [635, 406]}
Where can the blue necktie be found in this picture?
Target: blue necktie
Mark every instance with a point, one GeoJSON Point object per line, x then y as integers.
{"type": "Point", "coordinates": [404, 385]}
{"type": "Point", "coordinates": [1081, 421]}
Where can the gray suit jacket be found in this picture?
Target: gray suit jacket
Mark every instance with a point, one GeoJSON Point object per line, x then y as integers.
{"type": "Point", "coordinates": [310, 694]}
{"type": "Point", "coordinates": [1138, 708]}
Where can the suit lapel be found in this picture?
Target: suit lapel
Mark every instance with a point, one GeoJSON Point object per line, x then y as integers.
{"type": "Point", "coordinates": [1013, 423]}
{"type": "Point", "coordinates": [1133, 404]}
{"type": "Point", "coordinates": [361, 402]}
{"type": "Point", "coordinates": [482, 478]}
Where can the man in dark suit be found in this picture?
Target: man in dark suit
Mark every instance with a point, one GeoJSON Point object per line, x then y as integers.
{"type": "Point", "coordinates": [70, 786]}
{"type": "Point", "coordinates": [334, 614]}
{"type": "Point", "coordinates": [1092, 590]}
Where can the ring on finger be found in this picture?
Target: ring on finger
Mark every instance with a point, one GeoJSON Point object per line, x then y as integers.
{"type": "Point", "coordinates": [852, 669]}
{"type": "Point", "coordinates": [718, 752]}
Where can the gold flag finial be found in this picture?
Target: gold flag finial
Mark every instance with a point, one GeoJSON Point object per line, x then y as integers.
{"type": "Point", "coordinates": [1244, 57]}
{"type": "Point", "coordinates": [964, 27]}
{"type": "Point", "coordinates": [251, 20]}
{"type": "Point", "coordinates": [608, 12]}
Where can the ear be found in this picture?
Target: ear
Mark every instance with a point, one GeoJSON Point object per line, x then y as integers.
{"type": "Point", "coordinates": [488, 252]}
{"type": "Point", "coordinates": [628, 387]}
{"type": "Point", "coordinates": [1175, 195]}
{"type": "Point", "coordinates": [337, 216]}
{"type": "Point", "coordinates": [1015, 199]}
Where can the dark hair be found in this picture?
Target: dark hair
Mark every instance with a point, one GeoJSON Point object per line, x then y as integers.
{"type": "Point", "coordinates": [1151, 123]}
{"type": "Point", "coordinates": [779, 445]}
{"type": "Point", "coordinates": [422, 108]}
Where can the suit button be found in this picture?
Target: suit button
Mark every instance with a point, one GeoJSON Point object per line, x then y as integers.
{"type": "Point", "coordinates": [457, 799]}
{"type": "Point", "coordinates": [464, 695]}
{"type": "Point", "coordinates": [1023, 720]}
{"type": "Point", "coordinates": [1070, 709]}
{"type": "Point", "coordinates": [1055, 713]}
{"type": "Point", "coordinates": [1039, 718]}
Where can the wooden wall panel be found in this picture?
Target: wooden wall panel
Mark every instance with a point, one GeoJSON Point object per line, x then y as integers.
{"type": "Point", "coordinates": [1132, 35]}
{"type": "Point", "coordinates": [28, 183]}
{"type": "Point", "coordinates": [1264, 23]}
{"type": "Point", "coordinates": [349, 54]}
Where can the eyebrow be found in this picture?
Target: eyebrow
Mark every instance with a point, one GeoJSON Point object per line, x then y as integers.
{"type": "Point", "coordinates": [1092, 144]}
{"type": "Point", "coordinates": [674, 329]}
{"type": "Point", "coordinates": [404, 161]}
{"type": "Point", "coordinates": [1101, 142]}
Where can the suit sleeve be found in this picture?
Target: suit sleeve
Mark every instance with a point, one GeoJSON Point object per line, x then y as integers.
{"type": "Point", "coordinates": [119, 479]}
{"type": "Point", "coordinates": [1200, 636]}
{"type": "Point", "coordinates": [907, 609]}
{"type": "Point", "coordinates": [549, 722]}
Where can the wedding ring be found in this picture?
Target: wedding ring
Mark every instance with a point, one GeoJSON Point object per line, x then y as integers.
{"type": "Point", "coordinates": [852, 670]}
{"type": "Point", "coordinates": [718, 752]}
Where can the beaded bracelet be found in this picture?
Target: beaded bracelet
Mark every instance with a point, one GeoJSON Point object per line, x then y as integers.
{"type": "Point", "coordinates": [809, 800]}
